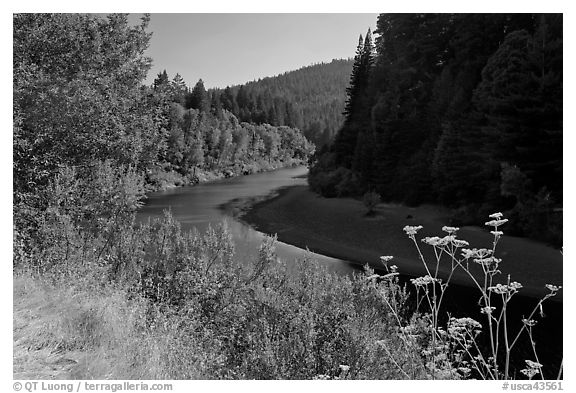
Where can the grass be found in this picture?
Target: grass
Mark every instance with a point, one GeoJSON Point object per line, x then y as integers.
{"type": "Point", "coordinates": [67, 332]}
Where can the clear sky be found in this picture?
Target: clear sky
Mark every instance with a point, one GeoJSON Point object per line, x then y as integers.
{"type": "Point", "coordinates": [229, 49]}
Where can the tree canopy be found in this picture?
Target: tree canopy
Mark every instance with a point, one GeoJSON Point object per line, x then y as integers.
{"type": "Point", "coordinates": [451, 103]}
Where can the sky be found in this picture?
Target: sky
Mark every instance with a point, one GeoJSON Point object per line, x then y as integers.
{"type": "Point", "coordinates": [230, 49]}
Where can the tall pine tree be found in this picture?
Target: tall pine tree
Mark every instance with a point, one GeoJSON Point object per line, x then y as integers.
{"type": "Point", "coordinates": [356, 108]}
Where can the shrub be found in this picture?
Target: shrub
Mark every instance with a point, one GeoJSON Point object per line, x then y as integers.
{"type": "Point", "coordinates": [340, 182]}
{"type": "Point", "coordinates": [371, 199]}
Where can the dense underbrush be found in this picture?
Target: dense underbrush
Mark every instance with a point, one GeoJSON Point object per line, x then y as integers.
{"type": "Point", "coordinates": [162, 304]}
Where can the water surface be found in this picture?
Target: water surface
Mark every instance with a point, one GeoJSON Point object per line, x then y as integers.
{"type": "Point", "coordinates": [213, 203]}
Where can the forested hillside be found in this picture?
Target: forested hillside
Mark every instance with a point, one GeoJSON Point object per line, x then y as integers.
{"type": "Point", "coordinates": [310, 99]}
{"type": "Point", "coordinates": [202, 135]}
{"type": "Point", "coordinates": [459, 109]}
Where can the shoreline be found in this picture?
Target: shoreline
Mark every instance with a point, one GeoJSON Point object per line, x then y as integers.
{"type": "Point", "coordinates": [160, 180]}
{"type": "Point", "coordinates": [338, 228]}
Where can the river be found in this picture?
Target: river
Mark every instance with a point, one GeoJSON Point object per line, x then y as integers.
{"type": "Point", "coordinates": [213, 203]}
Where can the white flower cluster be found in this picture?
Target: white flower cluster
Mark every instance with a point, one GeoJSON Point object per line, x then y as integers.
{"type": "Point", "coordinates": [496, 223]}
{"type": "Point", "coordinates": [450, 230]}
{"type": "Point", "coordinates": [385, 259]}
{"type": "Point", "coordinates": [412, 230]}
{"type": "Point", "coordinates": [458, 327]}
{"type": "Point", "coordinates": [444, 241]}
{"type": "Point", "coordinates": [533, 368]}
{"type": "Point", "coordinates": [476, 253]}
{"type": "Point", "coordinates": [423, 281]}
{"type": "Point", "coordinates": [487, 310]}
{"type": "Point", "coordinates": [487, 261]}
{"type": "Point", "coordinates": [502, 288]}
{"type": "Point", "coordinates": [528, 322]}
{"type": "Point", "coordinates": [460, 243]}
{"type": "Point", "coordinates": [553, 288]}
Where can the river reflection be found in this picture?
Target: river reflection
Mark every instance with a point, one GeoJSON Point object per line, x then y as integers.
{"type": "Point", "coordinates": [201, 205]}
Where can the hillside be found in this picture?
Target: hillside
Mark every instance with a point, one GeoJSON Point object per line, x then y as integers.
{"type": "Point", "coordinates": [311, 98]}
{"type": "Point", "coordinates": [462, 110]}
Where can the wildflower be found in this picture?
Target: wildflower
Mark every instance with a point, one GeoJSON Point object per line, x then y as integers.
{"type": "Point", "coordinates": [487, 310]}
{"type": "Point", "coordinates": [450, 230]}
{"type": "Point", "coordinates": [499, 289]}
{"type": "Point", "coordinates": [528, 322]}
{"type": "Point", "coordinates": [467, 253]}
{"type": "Point", "coordinates": [433, 241]}
{"type": "Point", "coordinates": [460, 243]}
{"type": "Point", "coordinates": [532, 364]}
{"type": "Point", "coordinates": [386, 259]}
{"type": "Point", "coordinates": [502, 289]}
{"type": "Point", "coordinates": [477, 253]}
{"type": "Point", "coordinates": [460, 326]}
{"type": "Point", "coordinates": [447, 240]}
{"type": "Point", "coordinates": [487, 261]}
{"type": "Point", "coordinates": [496, 215]}
{"type": "Point", "coordinates": [373, 277]}
{"type": "Point", "coordinates": [393, 268]}
{"type": "Point", "coordinates": [529, 372]}
{"type": "Point", "coordinates": [497, 233]}
{"type": "Point", "coordinates": [515, 285]}
{"type": "Point", "coordinates": [496, 223]}
{"type": "Point", "coordinates": [422, 281]}
{"type": "Point", "coordinates": [412, 230]}
{"type": "Point", "coordinates": [553, 288]}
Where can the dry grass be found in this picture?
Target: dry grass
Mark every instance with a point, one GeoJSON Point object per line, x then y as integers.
{"type": "Point", "coordinates": [63, 332]}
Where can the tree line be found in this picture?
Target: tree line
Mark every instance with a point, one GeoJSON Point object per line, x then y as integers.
{"type": "Point", "coordinates": [310, 99]}
{"type": "Point", "coordinates": [464, 110]}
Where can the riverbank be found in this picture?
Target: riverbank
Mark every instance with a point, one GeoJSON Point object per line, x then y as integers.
{"type": "Point", "coordinates": [161, 179]}
{"type": "Point", "coordinates": [339, 228]}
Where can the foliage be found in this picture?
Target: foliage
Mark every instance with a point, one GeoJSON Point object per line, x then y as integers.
{"type": "Point", "coordinates": [310, 99]}
{"type": "Point", "coordinates": [216, 317]}
{"type": "Point", "coordinates": [449, 99]}
{"type": "Point", "coordinates": [198, 98]}
{"type": "Point", "coordinates": [370, 200]}
{"type": "Point", "coordinates": [202, 141]}
{"type": "Point", "coordinates": [340, 182]}
{"type": "Point", "coordinates": [77, 96]}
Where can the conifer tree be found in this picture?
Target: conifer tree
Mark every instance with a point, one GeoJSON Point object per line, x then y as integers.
{"type": "Point", "coordinates": [178, 89]}
{"type": "Point", "coordinates": [356, 110]}
{"type": "Point", "coordinates": [161, 81]}
{"type": "Point", "coordinates": [198, 98]}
